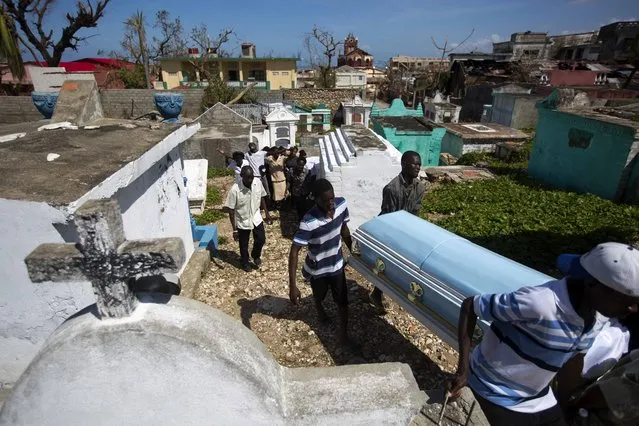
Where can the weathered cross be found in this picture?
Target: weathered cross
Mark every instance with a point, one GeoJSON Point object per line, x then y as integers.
{"type": "Point", "coordinates": [103, 257]}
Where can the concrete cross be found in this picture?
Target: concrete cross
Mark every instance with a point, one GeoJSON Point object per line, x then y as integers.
{"type": "Point", "coordinates": [103, 257]}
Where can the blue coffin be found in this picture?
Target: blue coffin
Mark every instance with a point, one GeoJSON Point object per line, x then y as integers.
{"type": "Point", "coordinates": [430, 271]}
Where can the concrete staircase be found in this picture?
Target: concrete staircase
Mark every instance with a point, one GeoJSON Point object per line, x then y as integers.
{"type": "Point", "coordinates": [359, 163]}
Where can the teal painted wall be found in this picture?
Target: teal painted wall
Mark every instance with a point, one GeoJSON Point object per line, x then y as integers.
{"type": "Point", "coordinates": [397, 109]}
{"type": "Point", "coordinates": [426, 144]}
{"type": "Point", "coordinates": [595, 167]}
{"type": "Point", "coordinates": [452, 144]}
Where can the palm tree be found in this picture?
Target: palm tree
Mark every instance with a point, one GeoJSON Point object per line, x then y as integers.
{"type": "Point", "coordinates": [9, 46]}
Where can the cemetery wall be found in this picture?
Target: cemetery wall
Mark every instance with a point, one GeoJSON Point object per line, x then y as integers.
{"type": "Point", "coordinates": [332, 98]}
{"type": "Point", "coordinates": [132, 103]}
{"type": "Point", "coordinates": [17, 109]}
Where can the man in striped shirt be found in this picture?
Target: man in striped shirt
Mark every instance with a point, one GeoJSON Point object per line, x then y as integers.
{"type": "Point", "coordinates": [321, 230]}
{"type": "Point", "coordinates": [535, 330]}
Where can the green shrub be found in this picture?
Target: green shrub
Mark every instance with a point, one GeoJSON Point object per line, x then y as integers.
{"type": "Point", "coordinates": [209, 216]}
{"type": "Point", "coordinates": [520, 219]}
{"type": "Point", "coordinates": [471, 158]}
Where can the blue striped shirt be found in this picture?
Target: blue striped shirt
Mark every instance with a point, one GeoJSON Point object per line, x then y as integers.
{"type": "Point", "coordinates": [323, 237]}
{"type": "Point", "coordinates": [534, 332]}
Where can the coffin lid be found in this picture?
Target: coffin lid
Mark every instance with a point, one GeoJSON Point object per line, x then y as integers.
{"type": "Point", "coordinates": [451, 259]}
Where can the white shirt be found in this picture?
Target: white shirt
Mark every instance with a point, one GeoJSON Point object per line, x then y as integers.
{"type": "Point", "coordinates": [256, 161]}
{"type": "Point", "coordinates": [238, 169]}
{"type": "Point", "coordinates": [246, 204]}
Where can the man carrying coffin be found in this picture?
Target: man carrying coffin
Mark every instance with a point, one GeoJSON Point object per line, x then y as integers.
{"type": "Point", "coordinates": [404, 192]}
{"type": "Point", "coordinates": [536, 330]}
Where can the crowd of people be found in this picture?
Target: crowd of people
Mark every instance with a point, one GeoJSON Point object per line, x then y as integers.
{"type": "Point", "coordinates": [565, 352]}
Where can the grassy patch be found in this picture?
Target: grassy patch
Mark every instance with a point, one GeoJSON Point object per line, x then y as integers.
{"type": "Point", "coordinates": [219, 172]}
{"type": "Point", "coordinates": [213, 196]}
{"type": "Point", "coordinates": [222, 240]}
{"type": "Point", "coordinates": [209, 216]}
{"type": "Point", "coordinates": [532, 224]}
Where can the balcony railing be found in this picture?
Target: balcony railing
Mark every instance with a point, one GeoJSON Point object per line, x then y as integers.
{"type": "Point", "coordinates": [262, 85]}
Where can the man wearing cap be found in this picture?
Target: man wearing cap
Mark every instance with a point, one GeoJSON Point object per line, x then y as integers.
{"type": "Point", "coordinates": [535, 330]}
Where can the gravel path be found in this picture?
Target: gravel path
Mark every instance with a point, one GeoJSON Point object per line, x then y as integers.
{"type": "Point", "coordinates": [292, 333]}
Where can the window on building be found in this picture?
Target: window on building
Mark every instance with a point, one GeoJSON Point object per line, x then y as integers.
{"type": "Point", "coordinates": [276, 73]}
{"type": "Point", "coordinates": [361, 78]}
{"type": "Point", "coordinates": [257, 75]}
{"type": "Point", "coordinates": [173, 74]}
{"type": "Point", "coordinates": [284, 72]}
{"type": "Point", "coordinates": [234, 75]}
{"type": "Point", "coordinates": [578, 138]}
{"type": "Point", "coordinates": [419, 64]}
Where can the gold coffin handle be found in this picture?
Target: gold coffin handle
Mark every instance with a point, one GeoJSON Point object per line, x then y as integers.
{"type": "Point", "coordinates": [416, 292]}
{"type": "Point", "coordinates": [380, 267]}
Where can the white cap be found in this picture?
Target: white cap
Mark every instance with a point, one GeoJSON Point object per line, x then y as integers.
{"type": "Point", "coordinates": [615, 265]}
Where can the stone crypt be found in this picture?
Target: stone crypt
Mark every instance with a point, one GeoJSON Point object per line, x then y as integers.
{"type": "Point", "coordinates": [46, 176]}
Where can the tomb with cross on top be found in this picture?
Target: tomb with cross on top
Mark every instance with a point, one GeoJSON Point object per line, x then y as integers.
{"type": "Point", "coordinates": [103, 257]}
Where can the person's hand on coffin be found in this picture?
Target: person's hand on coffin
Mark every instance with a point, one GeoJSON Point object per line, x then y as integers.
{"type": "Point", "coordinates": [458, 383]}
{"type": "Point", "coordinates": [295, 295]}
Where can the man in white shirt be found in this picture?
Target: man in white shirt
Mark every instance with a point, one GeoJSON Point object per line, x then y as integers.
{"type": "Point", "coordinates": [255, 159]}
{"type": "Point", "coordinates": [244, 201]}
{"type": "Point", "coordinates": [236, 164]}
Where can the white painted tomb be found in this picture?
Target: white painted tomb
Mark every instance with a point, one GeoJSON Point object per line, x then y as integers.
{"type": "Point", "coordinates": [196, 172]}
{"type": "Point", "coordinates": [135, 164]}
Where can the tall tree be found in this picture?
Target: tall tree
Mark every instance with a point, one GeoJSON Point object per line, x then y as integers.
{"type": "Point", "coordinates": [135, 43]}
{"type": "Point", "coordinates": [170, 40]}
{"type": "Point", "coordinates": [322, 44]}
{"type": "Point", "coordinates": [29, 17]}
{"type": "Point", "coordinates": [10, 46]}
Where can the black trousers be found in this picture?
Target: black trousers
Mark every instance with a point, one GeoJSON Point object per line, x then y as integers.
{"type": "Point", "coordinates": [259, 238]}
{"type": "Point", "coordinates": [301, 205]}
{"type": "Point", "coordinates": [500, 416]}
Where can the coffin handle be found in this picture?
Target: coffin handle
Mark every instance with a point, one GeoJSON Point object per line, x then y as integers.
{"type": "Point", "coordinates": [416, 292]}
{"type": "Point", "coordinates": [380, 267]}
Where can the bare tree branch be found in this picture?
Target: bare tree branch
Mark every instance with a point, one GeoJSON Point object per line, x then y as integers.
{"type": "Point", "coordinates": [29, 16]}
{"type": "Point", "coordinates": [322, 42]}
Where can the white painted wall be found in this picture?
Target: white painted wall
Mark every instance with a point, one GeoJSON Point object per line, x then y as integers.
{"type": "Point", "coordinates": [30, 312]}
{"type": "Point", "coordinates": [361, 178]}
{"type": "Point", "coordinates": [154, 204]}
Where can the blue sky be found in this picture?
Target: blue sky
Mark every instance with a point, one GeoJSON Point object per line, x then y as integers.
{"type": "Point", "coordinates": [384, 28]}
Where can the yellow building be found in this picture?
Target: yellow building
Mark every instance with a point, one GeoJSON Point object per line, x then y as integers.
{"type": "Point", "coordinates": [268, 73]}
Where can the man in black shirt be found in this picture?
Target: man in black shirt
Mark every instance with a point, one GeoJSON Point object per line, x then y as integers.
{"type": "Point", "coordinates": [405, 192]}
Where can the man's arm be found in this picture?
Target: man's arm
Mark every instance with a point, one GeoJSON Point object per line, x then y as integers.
{"type": "Point", "coordinates": [388, 202]}
{"type": "Point", "coordinates": [346, 236]}
{"type": "Point", "coordinates": [267, 216]}
{"type": "Point", "coordinates": [465, 330]}
{"type": "Point", "coordinates": [293, 292]}
{"type": "Point", "coordinates": [232, 219]}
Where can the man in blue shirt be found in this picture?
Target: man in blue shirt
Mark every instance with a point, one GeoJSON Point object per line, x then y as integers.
{"type": "Point", "coordinates": [321, 230]}
{"type": "Point", "coordinates": [536, 330]}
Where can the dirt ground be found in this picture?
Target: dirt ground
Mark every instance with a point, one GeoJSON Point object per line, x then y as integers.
{"type": "Point", "coordinates": [293, 334]}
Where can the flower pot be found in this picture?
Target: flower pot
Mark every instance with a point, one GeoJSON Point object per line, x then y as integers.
{"type": "Point", "coordinates": [45, 102]}
{"type": "Point", "coordinates": [169, 104]}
